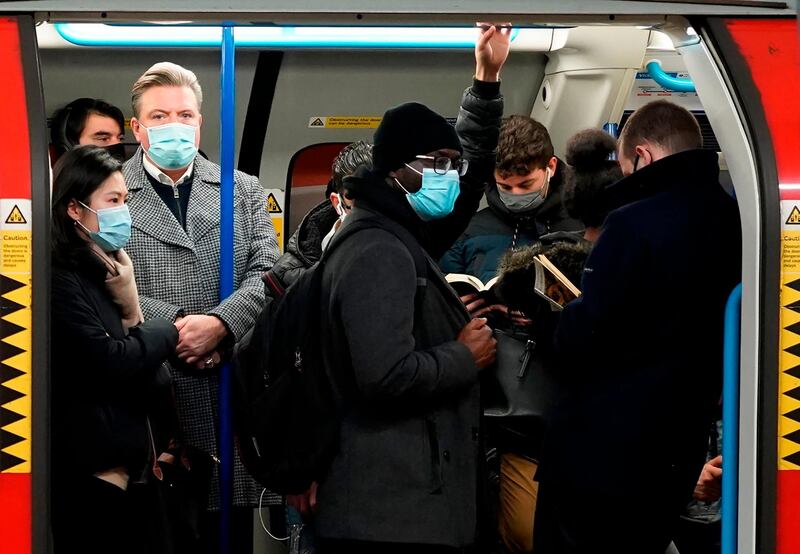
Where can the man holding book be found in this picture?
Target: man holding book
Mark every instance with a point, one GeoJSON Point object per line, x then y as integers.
{"type": "Point", "coordinates": [644, 351]}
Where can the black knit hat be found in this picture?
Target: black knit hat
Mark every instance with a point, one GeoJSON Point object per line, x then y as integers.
{"type": "Point", "coordinates": [409, 130]}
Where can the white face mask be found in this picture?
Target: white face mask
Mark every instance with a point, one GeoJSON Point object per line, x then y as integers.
{"type": "Point", "coordinates": [340, 208]}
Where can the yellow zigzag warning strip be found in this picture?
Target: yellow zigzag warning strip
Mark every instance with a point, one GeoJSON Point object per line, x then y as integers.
{"type": "Point", "coordinates": [789, 377]}
{"type": "Point", "coordinates": [15, 353]}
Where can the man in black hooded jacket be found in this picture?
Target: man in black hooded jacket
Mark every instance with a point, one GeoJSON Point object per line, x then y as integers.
{"type": "Point", "coordinates": [643, 346]}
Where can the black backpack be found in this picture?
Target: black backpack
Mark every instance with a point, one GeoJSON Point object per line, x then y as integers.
{"type": "Point", "coordinates": [287, 412]}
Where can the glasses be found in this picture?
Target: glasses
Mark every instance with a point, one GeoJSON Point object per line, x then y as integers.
{"type": "Point", "coordinates": [443, 164]}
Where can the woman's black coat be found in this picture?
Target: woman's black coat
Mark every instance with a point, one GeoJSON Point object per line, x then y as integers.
{"type": "Point", "coordinates": [104, 382]}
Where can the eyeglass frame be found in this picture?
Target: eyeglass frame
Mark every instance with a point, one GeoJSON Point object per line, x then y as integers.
{"type": "Point", "coordinates": [461, 169]}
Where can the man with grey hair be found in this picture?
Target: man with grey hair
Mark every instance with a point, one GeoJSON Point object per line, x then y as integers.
{"type": "Point", "coordinates": [174, 200]}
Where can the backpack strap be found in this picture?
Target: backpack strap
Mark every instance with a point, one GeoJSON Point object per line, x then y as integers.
{"type": "Point", "coordinates": [408, 240]}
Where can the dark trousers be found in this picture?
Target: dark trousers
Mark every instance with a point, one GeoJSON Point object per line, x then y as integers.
{"type": "Point", "coordinates": [241, 532]}
{"type": "Point", "coordinates": [92, 516]}
{"type": "Point", "coordinates": [694, 537]}
{"type": "Point", "coordinates": [573, 521]}
{"type": "Point", "coordinates": [340, 546]}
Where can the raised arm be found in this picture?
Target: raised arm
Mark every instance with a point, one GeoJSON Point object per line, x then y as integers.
{"type": "Point", "coordinates": [478, 128]}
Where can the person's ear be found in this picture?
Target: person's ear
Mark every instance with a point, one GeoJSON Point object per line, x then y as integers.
{"type": "Point", "coordinates": [645, 157]}
{"type": "Point", "coordinates": [552, 165]}
{"type": "Point", "coordinates": [136, 128]}
{"type": "Point", "coordinates": [74, 210]}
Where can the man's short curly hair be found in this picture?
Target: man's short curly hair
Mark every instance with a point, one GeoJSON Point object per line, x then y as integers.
{"type": "Point", "coordinates": [524, 144]}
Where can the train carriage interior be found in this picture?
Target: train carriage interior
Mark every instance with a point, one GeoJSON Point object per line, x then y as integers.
{"type": "Point", "coordinates": [298, 102]}
{"type": "Point", "coordinates": [567, 77]}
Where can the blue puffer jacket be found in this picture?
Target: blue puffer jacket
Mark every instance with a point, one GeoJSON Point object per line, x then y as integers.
{"type": "Point", "coordinates": [495, 229]}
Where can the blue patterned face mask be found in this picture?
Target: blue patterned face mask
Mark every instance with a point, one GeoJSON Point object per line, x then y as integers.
{"type": "Point", "coordinates": [172, 145]}
{"type": "Point", "coordinates": [114, 226]}
{"type": "Point", "coordinates": [436, 197]}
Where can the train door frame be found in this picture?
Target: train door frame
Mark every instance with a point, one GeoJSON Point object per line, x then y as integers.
{"type": "Point", "coordinates": [31, 103]}
{"type": "Point", "coordinates": [724, 110]}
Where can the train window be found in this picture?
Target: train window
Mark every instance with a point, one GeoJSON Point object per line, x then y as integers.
{"type": "Point", "coordinates": [308, 176]}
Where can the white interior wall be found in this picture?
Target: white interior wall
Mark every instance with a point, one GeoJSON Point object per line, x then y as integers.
{"type": "Point", "coordinates": [109, 74]}
{"type": "Point", "coordinates": [310, 83]}
{"type": "Point", "coordinates": [366, 83]}
{"type": "Point", "coordinates": [589, 80]}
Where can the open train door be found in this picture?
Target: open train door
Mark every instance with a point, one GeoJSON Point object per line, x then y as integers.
{"type": "Point", "coordinates": [762, 59]}
{"type": "Point", "coordinates": [24, 287]}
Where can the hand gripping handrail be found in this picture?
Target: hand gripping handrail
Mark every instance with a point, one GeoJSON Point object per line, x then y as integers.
{"type": "Point", "coordinates": [730, 421]}
{"type": "Point", "coordinates": [667, 81]}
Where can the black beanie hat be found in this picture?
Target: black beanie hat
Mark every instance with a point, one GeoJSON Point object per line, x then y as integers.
{"type": "Point", "coordinates": [409, 130]}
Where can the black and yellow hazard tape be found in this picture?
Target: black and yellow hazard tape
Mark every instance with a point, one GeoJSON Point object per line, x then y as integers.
{"type": "Point", "coordinates": [789, 379]}
{"type": "Point", "coordinates": [15, 340]}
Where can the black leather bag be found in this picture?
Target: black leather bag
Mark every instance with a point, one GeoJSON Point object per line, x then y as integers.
{"type": "Point", "coordinates": [519, 384]}
{"type": "Point", "coordinates": [173, 496]}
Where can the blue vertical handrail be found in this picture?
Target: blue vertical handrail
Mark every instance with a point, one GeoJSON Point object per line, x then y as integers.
{"type": "Point", "coordinates": [227, 107]}
{"type": "Point", "coordinates": [730, 422]}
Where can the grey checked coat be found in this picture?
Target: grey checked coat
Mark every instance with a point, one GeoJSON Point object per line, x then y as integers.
{"type": "Point", "coordinates": [178, 270]}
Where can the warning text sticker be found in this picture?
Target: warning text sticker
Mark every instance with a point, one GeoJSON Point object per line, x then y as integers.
{"type": "Point", "coordinates": [343, 122]}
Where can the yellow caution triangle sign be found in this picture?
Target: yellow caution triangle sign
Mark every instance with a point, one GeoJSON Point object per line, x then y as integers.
{"type": "Point", "coordinates": [16, 216]}
{"type": "Point", "coordinates": [272, 204]}
{"type": "Point", "coordinates": [794, 217]}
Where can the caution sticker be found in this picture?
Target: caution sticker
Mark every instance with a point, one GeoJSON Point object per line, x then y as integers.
{"type": "Point", "coordinates": [273, 206]}
{"type": "Point", "coordinates": [275, 209]}
{"type": "Point", "coordinates": [344, 122]}
{"type": "Point", "coordinates": [277, 224]}
{"type": "Point", "coordinates": [16, 217]}
{"type": "Point", "coordinates": [15, 335]}
{"type": "Point", "coordinates": [794, 216]}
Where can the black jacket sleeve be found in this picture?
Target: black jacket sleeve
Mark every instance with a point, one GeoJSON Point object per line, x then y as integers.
{"type": "Point", "coordinates": [109, 361]}
{"type": "Point", "coordinates": [478, 128]}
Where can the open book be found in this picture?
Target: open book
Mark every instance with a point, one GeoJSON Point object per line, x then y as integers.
{"type": "Point", "coordinates": [552, 285]}
{"type": "Point", "coordinates": [468, 284]}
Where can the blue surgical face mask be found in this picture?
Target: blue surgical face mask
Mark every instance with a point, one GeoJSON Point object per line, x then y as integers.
{"type": "Point", "coordinates": [437, 195]}
{"type": "Point", "coordinates": [172, 145]}
{"type": "Point", "coordinates": [114, 227]}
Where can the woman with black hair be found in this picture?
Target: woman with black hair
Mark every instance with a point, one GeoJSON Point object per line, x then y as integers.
{"type": "Point", "coordinates": [108, 389]}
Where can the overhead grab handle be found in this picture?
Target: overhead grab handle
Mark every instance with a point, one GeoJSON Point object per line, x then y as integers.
{"type": "Point", "coordinates": [668, 82]}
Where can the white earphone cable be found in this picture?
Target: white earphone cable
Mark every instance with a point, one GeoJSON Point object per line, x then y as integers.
{"type": "Point", "coordinates": [261, 517]}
